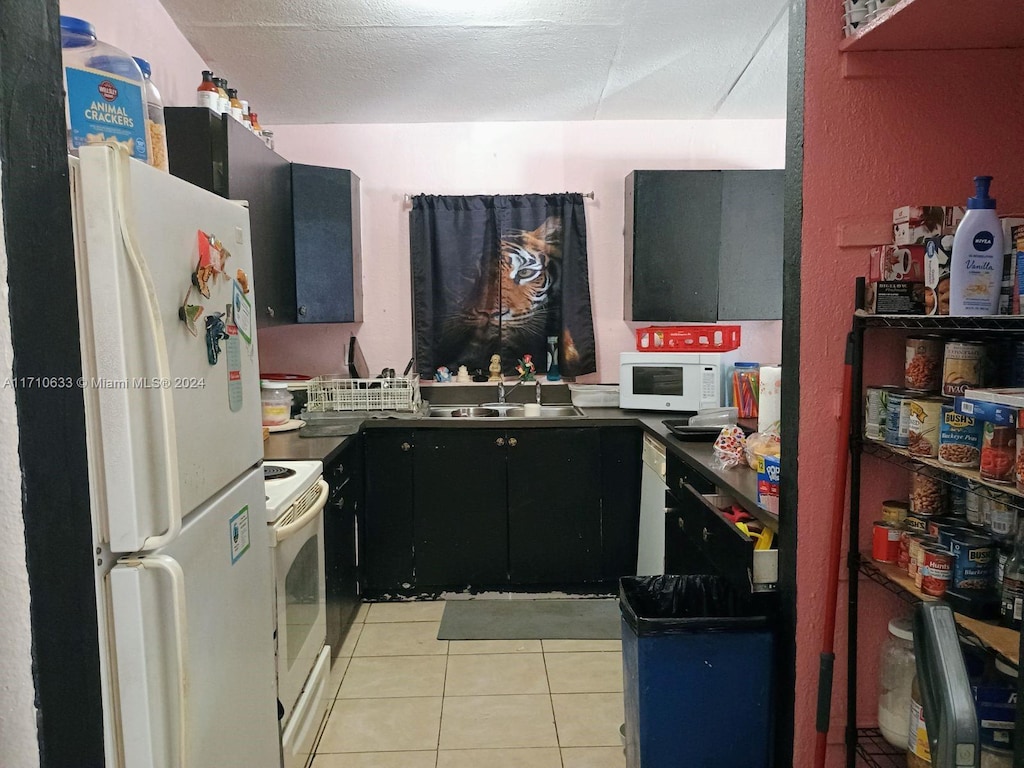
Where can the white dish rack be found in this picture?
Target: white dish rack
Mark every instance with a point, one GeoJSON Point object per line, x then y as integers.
{"type": "Point", "coordinates": [395, 394]}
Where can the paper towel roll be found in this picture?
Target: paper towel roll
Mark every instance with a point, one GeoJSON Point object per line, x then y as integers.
{"type": "Point", "coordinates": [769, 402]}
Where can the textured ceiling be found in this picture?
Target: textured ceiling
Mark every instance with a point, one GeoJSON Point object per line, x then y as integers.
{"type": "Point", "coordinates": [411, 61]}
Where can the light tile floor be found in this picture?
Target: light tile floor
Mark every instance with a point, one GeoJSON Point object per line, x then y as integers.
{"type": "Point", "coordinates": [408, 700]}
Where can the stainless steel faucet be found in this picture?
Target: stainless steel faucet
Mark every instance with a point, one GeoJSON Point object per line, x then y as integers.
{"type": "Point", "coordinates": [502, 392]}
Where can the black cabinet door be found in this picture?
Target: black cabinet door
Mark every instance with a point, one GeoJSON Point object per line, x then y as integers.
{"type": "Point", "coordinates": [673, 221]}
{"type": "Point", "coordinates": [620, 501]}
{"type": "Point", "coordinates": [750, 284]}
{"type": "Point", "coordinates": [554, 506]}
{"type": "Point", "coordinates": [345, 477]}
{"type": "Point", "coordinates": [328, 270]}
{"type": "Point", "coordinates": [461, 534]}
{"type": "Point", "coordinates": [386, 546]}
{"type": "Point", "coordinates": [219, 154]}
{"type": "Point", "coordinates": [683, 551]}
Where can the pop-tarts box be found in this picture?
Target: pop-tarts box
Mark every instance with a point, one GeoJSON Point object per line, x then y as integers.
{"type": "Point", "coordinates": [768, 483]}
{"type": "Point", "coordinates": [996, 413]}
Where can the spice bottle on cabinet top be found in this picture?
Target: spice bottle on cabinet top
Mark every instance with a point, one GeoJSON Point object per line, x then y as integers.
{"type": "Point", "coordinates": [236, 105]}
{"type": "Point", "coordinates": [976, 267]}
{"type": "Point", "coordinates": [224, 104]}
{"type": "Point", "coordinates": [207, 94]}
{"type": "Point", "coordinates": [154, 118]}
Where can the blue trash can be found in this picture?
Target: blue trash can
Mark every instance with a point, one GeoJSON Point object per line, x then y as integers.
{"type": "Point", "coordinates": [697, 659]}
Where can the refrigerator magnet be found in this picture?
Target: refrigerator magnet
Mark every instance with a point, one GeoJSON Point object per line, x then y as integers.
{"type": "Point", "coordinates": [234, 359]}
{"type": "Point", "coordinates": [189, 313]}
{"type": "Point", "coordinates": [242, 308]}
{"type": "Point", "coordinates": [215, 332]}
{"type": "Point", "coordinates": [238, 529]}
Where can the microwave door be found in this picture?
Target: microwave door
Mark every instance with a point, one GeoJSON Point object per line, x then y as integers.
{"type": "Point", "coordinates": [659, 380]}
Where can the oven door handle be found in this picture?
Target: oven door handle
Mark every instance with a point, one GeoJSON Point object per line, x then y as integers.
{"type": "Point", "coordinates": [285, 531]}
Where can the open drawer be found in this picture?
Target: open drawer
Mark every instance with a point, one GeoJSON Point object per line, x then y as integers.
{"type": "Point", "coordinates": [724, 545]}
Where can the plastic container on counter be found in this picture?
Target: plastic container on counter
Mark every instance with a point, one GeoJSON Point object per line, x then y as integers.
{"type": "Point", "coordinates": [105, 88]}
{"type": "Point", "coordinates": [276, 402]}
{"type": "Point", "coordinates": [155, 128]}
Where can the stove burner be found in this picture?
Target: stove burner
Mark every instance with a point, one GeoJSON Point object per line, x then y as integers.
{"type": "Point", "coordinates": [274, 472]}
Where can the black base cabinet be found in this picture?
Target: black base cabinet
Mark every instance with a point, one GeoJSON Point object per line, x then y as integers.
{"type": "Point", "coordinates": [482, 509]}
{"type": "Point", "coordinates": [386, 531]}
{"type": "Point", "coordinates": [554, 506]}
{"type": "Point", "coordinates": [344, 475]}
{"type": "Point", "coordinates": [460, 527]}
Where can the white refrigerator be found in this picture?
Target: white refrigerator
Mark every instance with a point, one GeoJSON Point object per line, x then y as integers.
{"type": "Point", "coordinates": [171, 385]}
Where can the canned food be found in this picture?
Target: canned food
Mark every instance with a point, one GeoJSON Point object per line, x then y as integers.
{"type": "Point", "coordinates": [903, 553]}
{"type": "Point", "coordinates": [973, 562]}
{"type": "Point", "coordinates": [938, 522]}
{"type": "Point", "coordinates": [958, 497]}
{"type": "Point", "coordinates": [876, 403]}
{"type": "Point", "coordinates": [885, 542]}
{"type": "Point", "coordinates": [936, 570]}
{"type": "Point", "coordinates": [959, 439]}
{"type": "Point", "coordinates": [963, 367]}
{"type": "Point", "coordinates": [1002, 555]}
{"type": "Point", "coordinates": [895, 511]}
{"type": "Point", "coordinates": [927, 492]}
{"type": "Point", "coordinates": [916, 545]}
{"type": "Point", "coordinates": [897, 419]}
{"type": "Point", "coordinates": [1001, 517]}
{"type": "Point", "coordinates": [973, 504]}
{"type": "Point", "coordinates": [1016, 364]}
{"type": "Point", "coordinates": [924, 363]}
{"type": "Point", "coordinates": [916, 523]}
{"type": "Point", "coordinates": [923, 432]}
{"type": "Point", "coordinates": [1018, 464]}
{"type": "Point", "coordinates": [998, 453]}
{"type": "Point", "coordinates": [949, 533]}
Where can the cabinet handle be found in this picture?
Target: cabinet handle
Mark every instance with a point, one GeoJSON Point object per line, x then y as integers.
{"type": "Point", "coordinates": [406, 447]}
{"type": "Point", "coordinates": [339, 469]}
{"type": "Point", "coordinates": [500, 442]}
{"type": "Point", "coordinates": [513, 442]}
{"type": "Point", "coordinates": [270, 311]}
{"type": "Point", "coordinates": [679, 522]}
{"type": "Point", "coordinates": [682, 483]}
{"type": "Point", "coordinates": [705, 534]}
{"type": "Point", "coordinates": [302, 310]}
{"type": "Point", "coordinates": [340, 503]}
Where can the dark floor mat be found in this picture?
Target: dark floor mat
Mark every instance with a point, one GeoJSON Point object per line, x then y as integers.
{"type": "Point", "coordinates": [578, 619]}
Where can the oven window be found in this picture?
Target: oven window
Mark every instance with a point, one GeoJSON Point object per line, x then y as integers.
{"type": "Point", "coordinates": [302, 596]}
{"type": "Point", "coordinates": [658, 380]}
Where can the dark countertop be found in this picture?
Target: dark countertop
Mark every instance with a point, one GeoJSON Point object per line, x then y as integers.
{"type": "Point", "coordinates": [740, 482]}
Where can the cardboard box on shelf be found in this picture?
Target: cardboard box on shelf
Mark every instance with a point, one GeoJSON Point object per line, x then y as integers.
{"type": "Point", "coordinates": [1016, 242]}
{"type": "Point", "coordinates": [896, 262]}
{"type": "Point", "coordinates": [938, 251]}
{"type": "Point", "coordinates": [894, 297]}
{"type": "Point", "coordinates": [985, 410]}
{"type": "Point", "coordinates": [915, 223]}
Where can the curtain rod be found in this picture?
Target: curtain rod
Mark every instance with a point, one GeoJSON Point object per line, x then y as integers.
{"type": "Point", "coordinates": [408, 198]}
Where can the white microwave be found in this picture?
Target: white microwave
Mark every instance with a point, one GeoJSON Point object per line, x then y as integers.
{"type": "Point", "coordinates": [670, 381]}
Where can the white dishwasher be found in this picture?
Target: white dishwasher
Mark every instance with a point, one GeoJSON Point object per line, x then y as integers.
{"type": "Point", "coordinates": [650, 560]}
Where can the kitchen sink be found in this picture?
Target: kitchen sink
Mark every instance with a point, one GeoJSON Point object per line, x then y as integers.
{"type": "Point", "coordinates": [504, 411]}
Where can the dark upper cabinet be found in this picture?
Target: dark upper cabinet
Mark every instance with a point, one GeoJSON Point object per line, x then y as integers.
{"type": "Point", "coordinates": [328, 271]}
{"type": "Point", "coordinates": [702, 246]}
{"type": "Point", "coordinates": [219, 154]}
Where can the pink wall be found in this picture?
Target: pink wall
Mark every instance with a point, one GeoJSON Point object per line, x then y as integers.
{"type": "Point", "coordinates": [143, 28]}
{"type": "Point", "coordinates": [899, 128]}
{"type": "Point", "coordinates": [491, 158]}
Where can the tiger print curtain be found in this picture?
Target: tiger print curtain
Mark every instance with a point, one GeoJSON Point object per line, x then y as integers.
{"type": "Point", "coordinates": [500, 274]}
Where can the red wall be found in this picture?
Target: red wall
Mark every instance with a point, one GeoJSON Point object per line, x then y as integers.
{"type": "Point", "coordinates": [882, 129]}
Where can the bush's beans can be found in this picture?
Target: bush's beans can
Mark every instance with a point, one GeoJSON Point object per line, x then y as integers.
{"type": "Point", "coordinates": [925, 420]}
{"type": "Point", "coordinates": [927, 492]}
{"type": "Point", "coordinates": [973, 561]}
{"type": "Point", "coordinates": [923, 369]}
{"type": "Point", "coordinates": [897, 421]}
{"type": "Point", "coordinates": [959, 439]}
{"type": "Point", "coordinates": [998, 453]}
{"type": "Point", "coordinates": [963, 367]}
{"type": "Point", "coordinates": [885, 543]}
{"type": "Point", "coordinates": [950, 532]}
{"type": "Point", "coordinates": [936, 570]}
{"type": "Point", "coordinates": [916, 523]}
{"type": "Point", "coordinates": [895, 511]}
{"type": "Point", "coordinates": [876, 405]}
{"type": "Point", "coordinates": [939, 522]}
{"type": "Point", "coordinates": [973, 504]}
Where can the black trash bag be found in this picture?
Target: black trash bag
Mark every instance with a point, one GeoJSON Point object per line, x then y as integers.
{"type": "Point", "coordinates": [686, 603]}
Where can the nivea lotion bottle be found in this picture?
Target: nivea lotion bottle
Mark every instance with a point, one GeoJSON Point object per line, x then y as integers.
{"type": "Point", "coordinates": [976, 267]}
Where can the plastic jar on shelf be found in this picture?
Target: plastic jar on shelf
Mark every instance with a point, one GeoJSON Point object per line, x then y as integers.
{"type": "Point", "coordinates": [276, 402]}
{"type": "Point", "coordinates": [896, 675]}
{"type": "Point", "coordinates": [154, 118]}
{"type": "Point", "coordinates": [105, 92]}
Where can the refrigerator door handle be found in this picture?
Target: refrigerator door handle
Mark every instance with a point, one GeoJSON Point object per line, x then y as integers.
{"type": "Point", "coordinates": [280, 533]}
{"type": "Point", "coordinates": [168, 443]}
{"type": "Point", "coordinates": [140, 728]}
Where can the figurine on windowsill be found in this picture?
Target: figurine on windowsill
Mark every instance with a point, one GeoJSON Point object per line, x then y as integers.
{"type": "Point", "coordinates": [443, 375]}
{"type": "Point", "coordinates": [495, 368]}
{"type": "Point", "coordinates": [526, 368]}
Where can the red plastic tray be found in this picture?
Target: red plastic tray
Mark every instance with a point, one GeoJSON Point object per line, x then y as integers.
{"type": "Point", "coordinates": [688, 338]}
